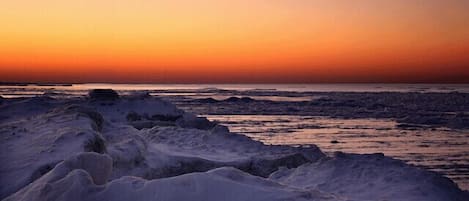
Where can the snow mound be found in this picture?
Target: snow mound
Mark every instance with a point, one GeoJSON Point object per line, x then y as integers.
{"type": "Point", "coordinates": [31, 147]}
{"type": "Point", "coordinates": [81, 178]}
{"type": "Point", "coordinates": [71, 179]}
{"type": "Point", "coordinates": [170, 151]}
{"type": "Point", "coordinates": [371, 177]}
{"type": "Point", "coordinates": [11, 110]}
{"type": "Point", "coordinates": [128, 109]}
{"type": "Point", "coordinates": [144, 111]}
{"type": "Point", "coordinates": [201, 150]}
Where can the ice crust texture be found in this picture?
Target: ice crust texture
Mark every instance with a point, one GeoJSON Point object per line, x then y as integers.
{"type": "Point", "coordinates": [138, 147]}
{"type": "Point", "coordinates": [410, 109]}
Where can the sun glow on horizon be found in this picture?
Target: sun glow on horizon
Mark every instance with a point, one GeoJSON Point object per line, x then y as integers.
{"type": "Point", "coordinates": [234, 41]}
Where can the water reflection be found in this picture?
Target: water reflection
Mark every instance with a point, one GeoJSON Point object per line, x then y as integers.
{"type": "Point", "coordinates": [442, 150]}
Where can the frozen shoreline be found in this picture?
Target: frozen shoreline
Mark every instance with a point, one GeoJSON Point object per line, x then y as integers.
{"type": "Point", "coordinates": [163, 147]}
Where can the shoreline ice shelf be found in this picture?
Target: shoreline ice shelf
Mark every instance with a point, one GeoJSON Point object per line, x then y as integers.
{"type": "Point", "coordinates": [119, 147]}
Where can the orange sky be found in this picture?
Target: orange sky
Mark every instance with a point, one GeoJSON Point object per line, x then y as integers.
{"type": "Point", "coordinates": [207, 41]}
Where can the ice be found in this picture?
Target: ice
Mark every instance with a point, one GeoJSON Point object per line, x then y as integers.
{"type": "Point", "coordinates": [371, 177]}
{"type": "Point", "coordinates": [71, 179]}
{"type": "Point", "coordinates": [204, 150]}
{"type": "Point", "coordinates": [410, 108]}
{"type": "Point", "coordinates": [137, 147]}
{"type": "Point", "coordinates": [32, 146]}
{"type": "Point", "coordinates": [147, 108]}
{"type": "Point", "coordinates": [103, 94]}
{"type": "Point", "coordinates": [26, 107]}
{"type": "Point", "coordinates": [80, 178]}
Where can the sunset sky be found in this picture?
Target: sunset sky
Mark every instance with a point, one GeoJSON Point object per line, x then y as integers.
{"type": "Point", "coordinates": [222, 41]}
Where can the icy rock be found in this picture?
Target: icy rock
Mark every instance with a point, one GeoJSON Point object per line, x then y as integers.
{"type": "Point", "coordinates": [371, 177]}
{"type": "Point", "coordinates": [150, 124]}
{"type": "Point", "coordinates": [242, 99]}
{"type": "Point", "coordinates": [129, 109]}
{"type": "Point", "coordinates": [220, 129]}
{"type": "Point", "coordinates": [141, 95]}
{"type": "Point", "coordinates": [140, 122]}
{"type": "Point", "coordinates": [103, 94]}
{"type": "Point", "coordinates": [192, 121]}
{"type": "Point", "coordinates": [264, 166]}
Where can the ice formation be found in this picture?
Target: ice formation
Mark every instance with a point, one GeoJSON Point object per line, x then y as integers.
{"type": "Point", "coordinates": [138, 147]}
{"type": "Point", "coordinates": [370, 177]}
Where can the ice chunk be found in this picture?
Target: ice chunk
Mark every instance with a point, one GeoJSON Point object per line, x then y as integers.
{"type": "Point", "coordinates": [103, 94]}
{"type": "Point", "coordinates": [72, 179]}
{"type": "Point", "coordinates": [76, 179]}
{"type": "Point", "coordinates": [31, 147]}
{"type": "Point", "coordinates": [371, 177]}
{"type": "Point", "coordinates": [172, 151]}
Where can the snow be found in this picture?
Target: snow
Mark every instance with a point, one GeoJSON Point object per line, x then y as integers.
{"type": "Point", "coordinates": [31, 147]}
{"type": "Point", "coordinates": [138, 147]}
{"type": "Point", "coordinates": [79, 177]}
{"type": "Point", "coordinates": [217, 149]}
{"type": "Point", "coordinates": [371, 177]}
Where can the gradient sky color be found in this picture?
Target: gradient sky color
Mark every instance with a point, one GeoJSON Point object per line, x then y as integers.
{"type": "Point", "coordinates": [223, 41]}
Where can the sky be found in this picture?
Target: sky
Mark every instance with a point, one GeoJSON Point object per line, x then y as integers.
{"type": "Point", "coordinates": [242, 41]}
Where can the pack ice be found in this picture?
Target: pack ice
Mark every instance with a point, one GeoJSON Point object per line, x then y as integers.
{"type": "Point", "coordinates": [139, 147]}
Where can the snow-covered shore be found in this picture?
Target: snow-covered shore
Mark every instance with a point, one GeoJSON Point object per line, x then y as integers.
{"type": "Point", "coordinates": [139, 147]}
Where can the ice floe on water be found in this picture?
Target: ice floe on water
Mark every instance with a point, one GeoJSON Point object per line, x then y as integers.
{"type": "Point", "coordinates": [133, 146]}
